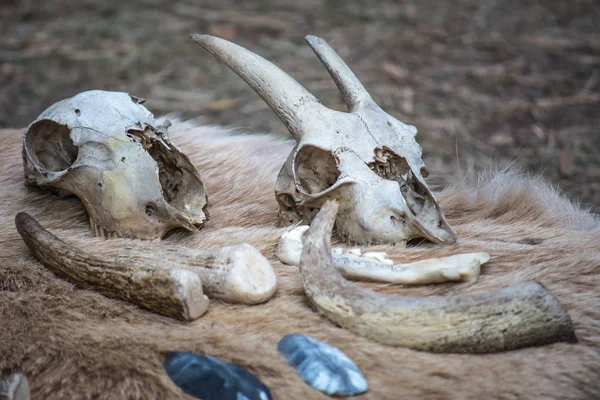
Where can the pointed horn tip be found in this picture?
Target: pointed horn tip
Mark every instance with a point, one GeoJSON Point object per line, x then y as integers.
{"type": "Point", "coordinates": [313, 40]}
{"type": "Point", "coordinates": [205, 40]}
{"type": "Point", "coordinates": [197, 37]}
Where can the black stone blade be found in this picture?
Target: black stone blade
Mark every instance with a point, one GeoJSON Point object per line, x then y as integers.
{"type": "Point", "coordinates": [209, 378]}
{"type": "Point", "coordinates": [322, 366]}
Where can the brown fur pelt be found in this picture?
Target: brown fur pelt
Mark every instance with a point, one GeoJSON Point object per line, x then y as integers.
{"type": "Point", "coordinates": [75, 343]}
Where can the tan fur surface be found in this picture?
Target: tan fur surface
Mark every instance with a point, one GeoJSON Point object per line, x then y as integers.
{"type": "Point", "coordinates": [73, 343]}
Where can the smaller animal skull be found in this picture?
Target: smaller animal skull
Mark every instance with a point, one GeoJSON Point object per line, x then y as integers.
{"type": "Point", "coordinates": [107, 149]}
{"type": "Point", "coordinates": [365, 159]}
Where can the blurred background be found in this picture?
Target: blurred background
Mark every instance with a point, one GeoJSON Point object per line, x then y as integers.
{"type": "Point", "coordinates": [485, 81]}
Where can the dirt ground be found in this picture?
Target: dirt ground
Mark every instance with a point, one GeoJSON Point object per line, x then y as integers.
{"type": "Point", "coordinates": [485, 82]}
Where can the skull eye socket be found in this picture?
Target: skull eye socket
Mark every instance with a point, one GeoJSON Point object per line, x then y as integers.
{"type": "Point", "coordinates": [50, 145]}
{"type": "Point", "coordinates": [316, 169]}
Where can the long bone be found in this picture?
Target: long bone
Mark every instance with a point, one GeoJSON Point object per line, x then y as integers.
{"type": "Point", "coordinates": [375, 266]}
{"type": "Point", "coordinates": [521, 315]}
{"type": "Point", "coordinates": [170, 281]}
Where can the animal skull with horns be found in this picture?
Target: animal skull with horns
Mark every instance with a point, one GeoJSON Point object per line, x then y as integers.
{"type": "Point", "coordinates": [365, 159]}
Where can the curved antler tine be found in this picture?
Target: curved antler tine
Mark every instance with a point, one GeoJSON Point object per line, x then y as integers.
{"type": "Point", "coordinates": [353, 92]}
{"type": "Point", "coordinates": [282, 93]}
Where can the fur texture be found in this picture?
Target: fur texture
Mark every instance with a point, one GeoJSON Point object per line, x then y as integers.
{"type": "Point", "coordinates": [74, 343]}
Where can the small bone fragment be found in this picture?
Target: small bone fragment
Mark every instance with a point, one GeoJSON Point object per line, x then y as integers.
{"type": "Point", "coordinates": [290, 245]}
{"type": "Point", "coordinates": [14, 387]}
{"type": "Point", "coordinates": [459, 267]}
{"type": "Point", "coordinates": [375, 266]}
{"type": "Point", "coordinates": [521, 315]}
{"type": "Point", "coordinates": [176, 293]}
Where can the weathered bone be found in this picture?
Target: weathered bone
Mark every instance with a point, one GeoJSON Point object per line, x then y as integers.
{"type": "Point", "coordinates": [108, 150]}
{"type": "Point", "coordinates": [176, 293]}
{"type": "Point", "coordinates": [14, 387]}
{"type": "Point", "coordinates": [375, 266]}
{"type": "Point", "coordinates": [521, 315]}
{"type": "Point", "coordinates": [366, 159]}
{"type": "Point", "coordinates": [166, 280]}
{"type": "Point", "coordinates": [458, 267]}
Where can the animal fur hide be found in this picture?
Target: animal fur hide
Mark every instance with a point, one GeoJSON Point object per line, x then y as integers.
{"type": "Point", "coordinates": [75, 343]}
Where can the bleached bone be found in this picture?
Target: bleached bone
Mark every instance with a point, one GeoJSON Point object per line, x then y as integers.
{"type": "Point", "coordinates": [108, 150]}
{"type": "Point", "coordinates": [14, 387]}
{"type": "Point", "coordinates": [375, 266]}
{"type": "Point", "coordinates": [521, 315]}
{"type": "Point", "coordinates": [170, 281]}
{"type": "Point", "coordinates": [366, 159]}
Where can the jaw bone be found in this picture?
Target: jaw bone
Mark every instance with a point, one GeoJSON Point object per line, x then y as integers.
{"type": "Point", "coordinates": [375, 266]}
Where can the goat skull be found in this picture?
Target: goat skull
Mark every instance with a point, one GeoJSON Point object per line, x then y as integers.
{"type": "Point", "coordinates": [107, 149]}
{"type": "Point", "coordinates": [365, 159]}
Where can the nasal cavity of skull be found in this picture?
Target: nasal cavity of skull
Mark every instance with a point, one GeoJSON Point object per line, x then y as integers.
{"type": "Point", "coordinates": [393, 167]}
{"type": "Point", "coordinates": [169, 175]}
{"type": "Point", "coordinates": [151, 209]}
{"type": "Point", "coordinates": [316, 169]}
{"type": "Point", "coordinates": [49, 143]}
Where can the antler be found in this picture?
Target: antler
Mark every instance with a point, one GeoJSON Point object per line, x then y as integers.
{"type": "Point", "coordinates": [169, 281]}
{"type": "Point", "coordinates": [521, 315]}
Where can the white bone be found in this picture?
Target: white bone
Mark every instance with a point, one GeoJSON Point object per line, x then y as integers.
{"type": "Point", "coordinates": [375, 266]}
{"type": "Point", "coordinates": [366, 159]}
{"type": "Point", "coordinates": [380, 256]}
{"type": "Point", "coordinates": [355, 251]}
{"type": "Point", "coordinates": [290, 245]}
{"type": "Point", "coordinates": [108, 150]}
{"type": "Point", "coordinates": [458, 267]}
{"type": "Point", "coordinates": [337, 251]}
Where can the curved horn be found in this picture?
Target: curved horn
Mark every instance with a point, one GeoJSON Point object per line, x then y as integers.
{"type": "Point", "coordinates": [282, 93]}
{"type": "Point", "coordinates": [521, 315]}
{"type": "Point", "coordinates": [353, 92]}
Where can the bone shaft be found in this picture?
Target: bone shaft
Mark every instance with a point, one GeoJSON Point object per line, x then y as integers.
{"type": "Point", "coordinates": [213, 267]}
{"type": "Point", "coordinates": [202, 262]}
{"type": "Point", "coordinates": [520, 315]}
{"type": "Point", "coordinates": [459, 267]}
{"type": "Point", "coordinates": [174, 293]}
{"type": "Point", "coordinates": [398, 274]}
